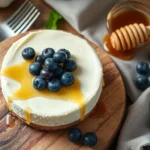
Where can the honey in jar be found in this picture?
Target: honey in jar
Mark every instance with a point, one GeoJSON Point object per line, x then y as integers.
{"type": "Point", "coordinates": [121, 19]}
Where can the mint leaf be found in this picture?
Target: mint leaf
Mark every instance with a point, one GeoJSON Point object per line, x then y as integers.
{"type": "Point", "coordinates": [53, 20]}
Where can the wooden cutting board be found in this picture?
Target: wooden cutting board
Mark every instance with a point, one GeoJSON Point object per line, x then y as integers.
{"type": "Point", "coordinates": [104, 121]}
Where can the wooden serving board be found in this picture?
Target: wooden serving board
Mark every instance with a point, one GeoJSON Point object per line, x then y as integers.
{"type": "Point", "coordinates": [104, 121]}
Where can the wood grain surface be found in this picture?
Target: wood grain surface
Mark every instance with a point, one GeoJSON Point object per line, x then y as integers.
{"type": "Point", "coordinates": [104, 121]}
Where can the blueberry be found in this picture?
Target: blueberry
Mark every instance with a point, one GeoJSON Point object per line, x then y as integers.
{"type": "Point", "coordinates": [48, 53]}
{"type": "Point", "coordinates": [74, 135]}
{"type": "Point", "coordinates": [35, 68]}
{"type": "Point", "coordinates": [90, 139]}
{"type": "Point", "coordinates": [28, 53]}
{"type": "Point", "coordinates": [50, 64]}
{"type": "Point", "coordinates": [54, 85]}
{"type": "Point", "coordinates": [39, 83]}
{"type": "Point", "coordinates": [52, 77]}
{"type": "Point", "coordinates": [46, 73]}
{"type": "Point", "coordinates": [67, 79]}
{"type": "Point", "coordinates": [142, 82]}
{"type": "Point", "coordinates": [60, 57]}
{"type": "Point", "coordinates": [66, 51]}
{"type": "Point", "coordinates": [70, 65]}
{"type": "Point", "coordinates": [59, 71]}
{"type": "Point", "coordinates": [142, 68]}
{"type": "Point", "coordinates": [39, 59]}
{"type": "Point", "coordinates": [41, 77]}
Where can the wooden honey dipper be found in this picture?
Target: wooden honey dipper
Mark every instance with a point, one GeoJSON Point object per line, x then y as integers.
{"type": "Point", "coordinates": [129, 36]}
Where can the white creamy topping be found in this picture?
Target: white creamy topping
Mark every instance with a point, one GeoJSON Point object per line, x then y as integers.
{"type": "Point", "coordinates": [56, 112]}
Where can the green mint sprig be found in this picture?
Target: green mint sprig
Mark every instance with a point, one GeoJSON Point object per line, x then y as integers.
{"type": "Point", "coordinates": [53, 20]}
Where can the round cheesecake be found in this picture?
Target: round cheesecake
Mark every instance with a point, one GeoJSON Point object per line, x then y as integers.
{"type": "Point", "coordinates": [58, 109]}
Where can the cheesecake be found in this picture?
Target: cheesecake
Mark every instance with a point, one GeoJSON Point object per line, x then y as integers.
{"type": "Point", "coordinates": [46, 109]}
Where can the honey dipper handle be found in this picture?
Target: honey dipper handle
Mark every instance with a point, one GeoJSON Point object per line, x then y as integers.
{"type": "Point", "coordinates": [148, 29]}
{"type": "Point", "coordinates": [130, 36]}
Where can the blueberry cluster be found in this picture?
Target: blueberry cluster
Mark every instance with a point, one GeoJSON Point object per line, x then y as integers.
{"type": "Point", "coordinates": [89, 138]}
{"type": "Point", "coordinates": [142, 82]}
{"type": "Point", "coordinates": [52, 69]}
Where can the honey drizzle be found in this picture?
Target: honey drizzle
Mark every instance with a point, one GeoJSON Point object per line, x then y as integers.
{"type": "Point", "coordinates": [27, 113]}
{"type": "Point", "coordinates": [9, 104]}
{"type": "Point", "coordinates": [20, 73]}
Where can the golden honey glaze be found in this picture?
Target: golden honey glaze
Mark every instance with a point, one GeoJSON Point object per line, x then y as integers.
{"type": "Point", "coordinates": [20, 73]}
{"type": "Point", "coordinates": [27, 113]}
{"type": "Point", "coordinates": [121, 19]}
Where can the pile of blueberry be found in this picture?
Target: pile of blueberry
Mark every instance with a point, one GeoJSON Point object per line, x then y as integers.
{"type": "Point", "coordinates": [89, 138]}
{"type": "Point", "coordinates": [142, 82]}
{"type": "Point", "coordinates": [52, 69]}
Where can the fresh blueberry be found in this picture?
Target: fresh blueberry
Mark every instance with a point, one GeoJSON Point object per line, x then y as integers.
{"type": "Point", "coordinates": [70, 65]}
{"type": "Point", "coordinates": [142, 82]}
{"type": "Point", "coordinates": [60, 57]}
{"type": "Point", "coordinates": [54, 85]}
{"type": "Point", "coordinates": [35, 68]}
{"type": "Point", "coordinates": [50, 64]}
{"type": "Point", "coordinates": [46, 73]}
{"type": "Point", "coordinates": [48, 53]}
{"type": "Point", "coordinates": [39, 83]}
{"type": "Point", "coordinates": [39, 59]}
{"type": "Point", "coordinates": [41, 77]}
{"type": "Point", "coordinates": [59, 71]}
{"type": "Point", "coordinates": [67, 79]}
{"type": "Point", "coordinates": [74, 135]}
{"type": "Point", "coordinates": [28, 53]}
{"type": "Point", "coordinates": [90, 139]}
{"type": "Point", "coordinates": [142, 68]}
{"type": "Point", "coordinates": [52, 77]}
{"type": "Point", "coordinates": [66, 51]}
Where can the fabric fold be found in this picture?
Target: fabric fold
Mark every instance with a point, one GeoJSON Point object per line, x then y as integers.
{"type": "Point", "coordinates": [136, 131]}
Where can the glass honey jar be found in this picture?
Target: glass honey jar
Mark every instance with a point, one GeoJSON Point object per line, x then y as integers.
{"type": "Point", "coordinates": [123, 14]}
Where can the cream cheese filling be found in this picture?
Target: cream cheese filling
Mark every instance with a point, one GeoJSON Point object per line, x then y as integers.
{"type": "Point", "coordinates": [55, 112]}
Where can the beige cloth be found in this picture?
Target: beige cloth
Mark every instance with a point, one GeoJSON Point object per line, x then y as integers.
{"type": "Point", "coordinates": [88, 17]}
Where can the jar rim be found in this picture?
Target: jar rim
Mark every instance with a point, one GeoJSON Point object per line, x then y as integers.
{"type": "Point", "coordinates": [124, 3]}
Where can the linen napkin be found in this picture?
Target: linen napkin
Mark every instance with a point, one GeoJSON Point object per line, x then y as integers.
{"type": "Point", "coordinates": [88, 17]}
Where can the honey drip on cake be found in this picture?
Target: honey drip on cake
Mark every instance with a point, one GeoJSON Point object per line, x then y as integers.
{"type": "Point", "coordinates": [27, 113]}
{"type": "Point", "coordinates": [121, 19]}
{"type": "Point", "coordinates": [20, 73]}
